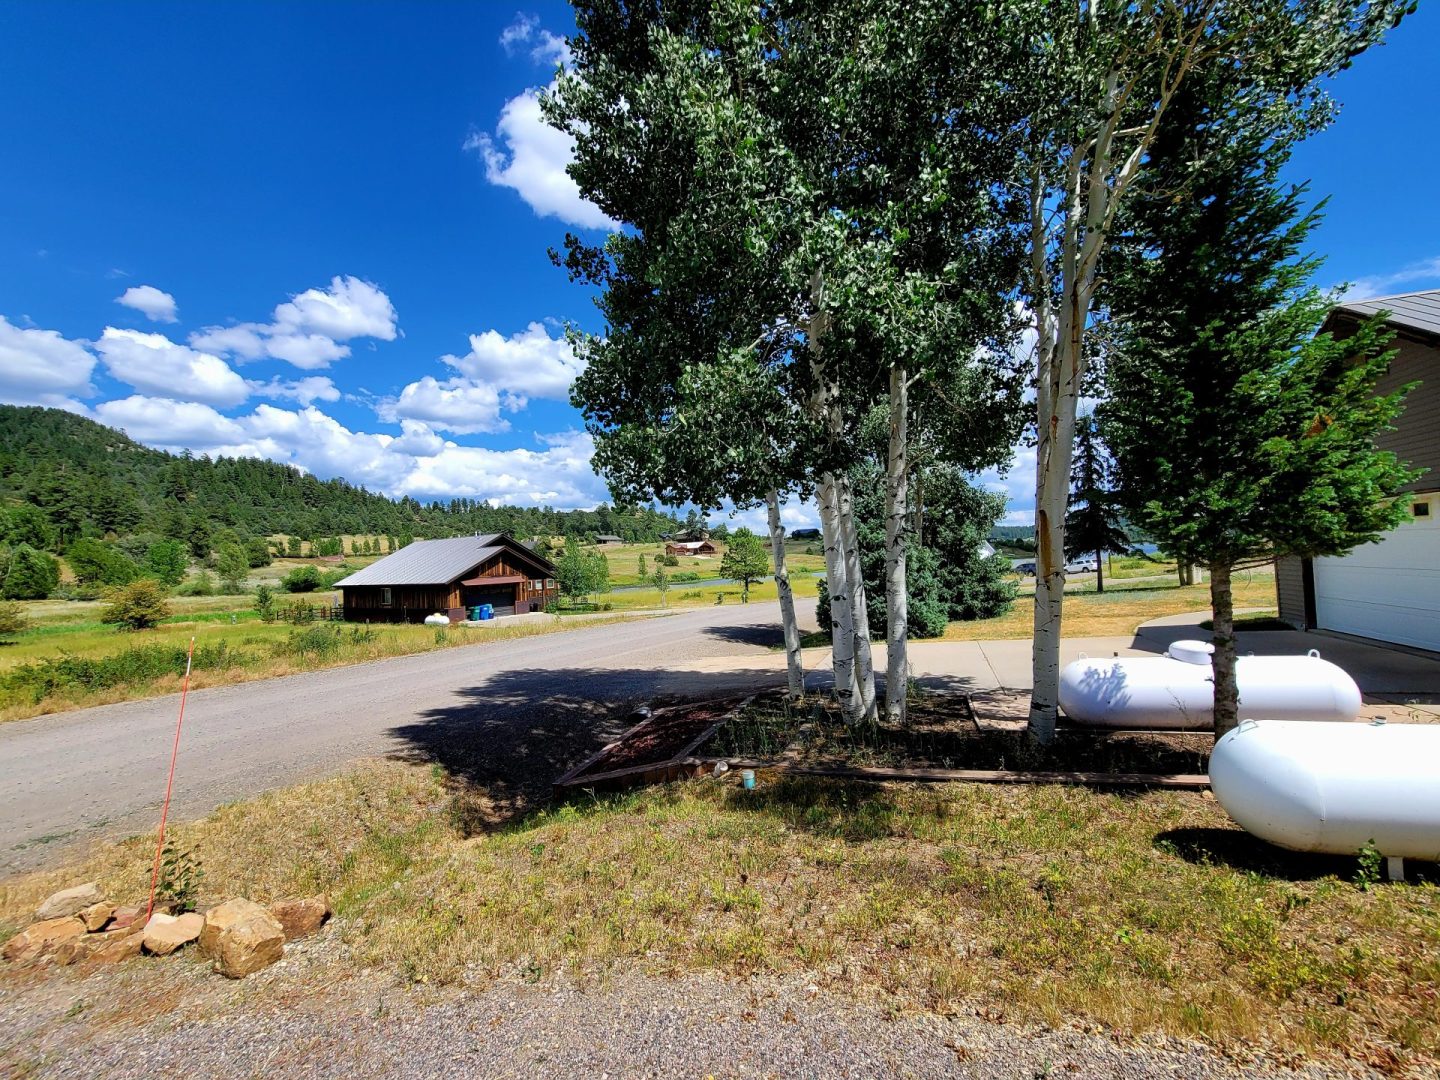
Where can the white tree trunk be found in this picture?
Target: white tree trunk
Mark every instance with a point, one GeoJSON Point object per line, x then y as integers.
{"type": "Point", "coordinates": [842, 626]}
{"type": "Point", "coordinates": [860, 617]}
{"type": "Point", "coordinates": [897, 614]}
{"type": "Point", "coordinates": [794, 663]}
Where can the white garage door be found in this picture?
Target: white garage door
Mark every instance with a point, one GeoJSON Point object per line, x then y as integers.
{"type": "Point", "coordinates": [1391, 590]}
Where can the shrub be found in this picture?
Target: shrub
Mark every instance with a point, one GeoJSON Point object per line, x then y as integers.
{"type": "Point", "coordinates": [30, 574]}
{"type": "Point", "coordinates": [139, 664]}
{"type": "Point", "coordinates": [265, 603]}
{"type": "Point", "coordinates": [94, 562]}
{"type": "Point", "coordinates": [202, 584]}
{"type": "Point", "coordinates": [140, 605]}
{"type": "Point", "coordinates": [302, 579]}
{"type": "Point", "coordinates": [13, 619]}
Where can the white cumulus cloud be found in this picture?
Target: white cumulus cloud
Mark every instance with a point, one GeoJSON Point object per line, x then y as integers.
{"type": "Point", "coordinates": [305, 391]}
{"type": "Point", "coordinates": [42, 367]}
{"type": "Point", "coordinates": [169, 424]}
{"type": "Point", "coordinates": [156, 305]}
{"type": "Point", "coordinates": [529, 156]}
{"type": "Point", "coordinates": [154, 364]}
{"type": "Point", "coordinates": [526, 34]}
{"type": "Point", "coordinates": [459, 405]}
{"type": "Point", "coordinates": [308, 329]}
{"type": "Point", "coordinates": [531, 363]}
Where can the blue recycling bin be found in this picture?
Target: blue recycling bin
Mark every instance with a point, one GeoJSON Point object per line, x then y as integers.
{"type": "Point", "coordinates": [487, 611]}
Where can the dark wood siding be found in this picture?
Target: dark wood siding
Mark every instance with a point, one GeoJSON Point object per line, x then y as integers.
{"type": "Point", "coordinates": [1416, 438]}
{"type": "Point", "coordinates": [1290, 590]}
{"type": "Point", "coordinates": [408, 603]}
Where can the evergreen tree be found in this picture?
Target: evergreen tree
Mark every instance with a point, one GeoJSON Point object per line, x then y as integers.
{"type": "Point", "coordinates": [232, 564]}
{"type": "Point", "coordinates": [745, 560]}
{"type": "Point", "coordinates": [1241, 433]}
{"type": "Point", "coordinates": [30, 574]}
{"type": "Point", "coordinates": [1092, 525]}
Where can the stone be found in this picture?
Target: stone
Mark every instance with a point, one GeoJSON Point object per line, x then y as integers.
{"type": "Point", "coordinates": [69, 902]}
{"type": "Point", "coordinates": [97, 915]}
{"type": "Point", "coordinates": [42, 937]}
{"type": "Point", "coordinates": [241, 937]}
{"type": "Point", "coordinates": [125, 917]}
{"type": "Point", "coordinates": [115, 945]}
{"type": "Point", "coordinates": [222, 917]}
{"type": "Point", "coordinates": [249, 946]}
{"type": "Point", "coordinates": [300, 917]}
{"type": "Point", "coordinates": [165, 933]}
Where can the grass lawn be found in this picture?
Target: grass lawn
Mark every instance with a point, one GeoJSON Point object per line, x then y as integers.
{"type": "Point", "coordinates": [624, 561]}
{"type": "Point", "coordinates": [1142, 912]}
{"type": "Point", "coordinates": [69, 659]}
{"type": "Point", "coordinates": [1118, 610]}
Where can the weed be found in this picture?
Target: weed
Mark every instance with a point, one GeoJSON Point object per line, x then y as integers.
{"type": "Point", "coordinates": [180, 876]}
{"type": "Point", "coordinates": [1367, 872]}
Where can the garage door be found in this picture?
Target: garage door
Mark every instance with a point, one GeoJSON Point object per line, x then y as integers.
{"type": "Point", "coordinates": [502, 599]}
{"type": "Point", "coordinates": [1389, 591]}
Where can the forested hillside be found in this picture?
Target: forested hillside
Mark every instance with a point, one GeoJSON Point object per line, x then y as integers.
{"type": "Point", "coordinates": [63, 477]}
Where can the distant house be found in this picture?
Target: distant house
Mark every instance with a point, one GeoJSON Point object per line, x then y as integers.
{"type": "Point", "coordinates": [450, 577]}
{"type": "Point", "coordinates": [804, 534]}
{"type": "Point", "coordinates": [1388, 591]}
{"type": "Point", "coordinates": [608, 539]}
{"type": "Point", "coordinates": [690, 547]}
{"type": "Point", "coordinates": [689, 536]}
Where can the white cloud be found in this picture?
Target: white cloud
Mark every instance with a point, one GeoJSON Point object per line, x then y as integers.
{"type": "Point", "coordinates": [459, 405]}
{"type": "Point", "coordinates": [157, 365]}
{"type": "Point", "coordinates": [530, 363]}
{"type": "Point", "coordinates": [526, 33]}
{"type": "Point", "coordinates": [350, 308]}
{"type": "Point", "coordinates": [1424, 272]}
{"type": "Point", "coordinates": [155, 305]}
{"type": "Point", "coordinates": [530, 157]}
{"type": "Point", "coordinates": [41, 367]}
{"type": "Point", "coordinates": [308, 328]}
{"type": "Point", "coordinates": [173, 425]}
{"type": "Point", "coordinates": [305, 391]}
{"type": "Point", "coordinates": [417, 463]}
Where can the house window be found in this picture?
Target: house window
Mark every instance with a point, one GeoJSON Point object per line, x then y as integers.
{"type": "Point", "coordinates": [549, 582]}
{"type": "Point", "coordinates": [385, 600]}
{"type": "Point", "coordinates": [537, 585]}
{"type": "Point", "coordinates": [1420, 509]}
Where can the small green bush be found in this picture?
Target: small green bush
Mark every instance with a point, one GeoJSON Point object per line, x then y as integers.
{"type": "Point", "coordinates": [140, 605]}
{"type": "Point", "coordinates": [302, 579]}
{"type": "Point", "coordinates": [34, 682]}
{"type": "Point", "coordinates": [202, 584]}
{"type": "Point", "coordinates": [13, 619]}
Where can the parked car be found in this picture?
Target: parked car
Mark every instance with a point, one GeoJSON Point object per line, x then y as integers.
{"type": "Point", "coordinates": [1025, 569]}
{"type": "Point", "coordinates": [1082, 566]}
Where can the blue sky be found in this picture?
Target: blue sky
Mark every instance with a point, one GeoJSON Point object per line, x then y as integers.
{"type": "Point", "coordinates": [318, 232]}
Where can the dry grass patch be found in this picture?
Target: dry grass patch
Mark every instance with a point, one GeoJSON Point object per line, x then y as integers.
{"type": "Point", "coordinates": [1117, 610]}
{"type": "Point", "coordinates": [1143, 911]}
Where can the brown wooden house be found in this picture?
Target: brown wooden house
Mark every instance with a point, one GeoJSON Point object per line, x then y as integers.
{"type": "Point", "coordinates": [451, 577]}
{"type": "Point", "coordinates": [691, 547]}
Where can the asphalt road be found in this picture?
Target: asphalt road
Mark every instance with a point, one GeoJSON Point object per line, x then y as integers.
{"type": "Point", "coordinates": [507, 716]}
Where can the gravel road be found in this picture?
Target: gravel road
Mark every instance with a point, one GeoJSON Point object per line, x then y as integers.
{"type": "Point", "coordinates": [310, 1016]}
{"type": "Point", "coordinates": [507, 714]}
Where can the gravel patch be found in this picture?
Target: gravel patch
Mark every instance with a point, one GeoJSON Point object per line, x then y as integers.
{"type": "Point", "coordinates": [312, 1015]}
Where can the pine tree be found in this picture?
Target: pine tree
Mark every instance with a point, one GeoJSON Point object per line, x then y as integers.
{"type": "Point", "coordinates": [745, 560]}
{"type": "Point", "coordinates": [1241, 433]}
{"type": "Point", "coordinates": [1092, 525]}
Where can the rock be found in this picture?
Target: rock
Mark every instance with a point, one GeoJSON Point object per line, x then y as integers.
{"type": "Point", "coordinates": [115, 945]}
{"type": "Point", "coordinates": [125, 917]}
{"type": "Point", "coordinates": [42, 937]}
{"type": "Point", "coordinates": [69, 902]}
{"type": "Point", "coordinates": [241, 937]}
{"type": "Point", "coordinates": [300, 917]}
{"type": "Point", "coordinates": [166, 933]}
{"type": "Point", "coordinates": [97, 915]}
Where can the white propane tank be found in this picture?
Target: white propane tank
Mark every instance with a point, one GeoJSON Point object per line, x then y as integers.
{"type": "Point", "coordinates": [1333, 787]}
{"type": "Point", "coordinates": [1176, 691]}
{"type": "Point", "coordinates": [438, 619]}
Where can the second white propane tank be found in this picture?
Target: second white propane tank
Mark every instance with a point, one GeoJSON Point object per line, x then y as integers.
{"type": "Point", "coordinates": [437, 619]}
{"type": "Point", "coordinates": [1176, 691]}
{"type": "Point", "coordinates": [1333, 787]}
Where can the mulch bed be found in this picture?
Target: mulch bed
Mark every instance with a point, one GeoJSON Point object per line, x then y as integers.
{"type": "Point", "coordinates": [979, 737]}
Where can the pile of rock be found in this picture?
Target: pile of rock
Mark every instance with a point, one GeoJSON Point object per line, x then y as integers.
{"type": "Point", "coordinates": [239, 937]}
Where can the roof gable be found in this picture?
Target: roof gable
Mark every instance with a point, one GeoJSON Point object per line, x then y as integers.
{"type": "Point", "coordinates": [439, 562]}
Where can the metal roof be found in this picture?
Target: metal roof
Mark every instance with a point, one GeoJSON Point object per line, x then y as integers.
{"type": "Point", "coordinates": [428, 562]}
{"type": "Point", "coordinates": [1418, 311]}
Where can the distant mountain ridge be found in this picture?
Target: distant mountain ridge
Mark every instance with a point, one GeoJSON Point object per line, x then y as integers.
{"type": "Point", "coordinates": [88, 479]}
